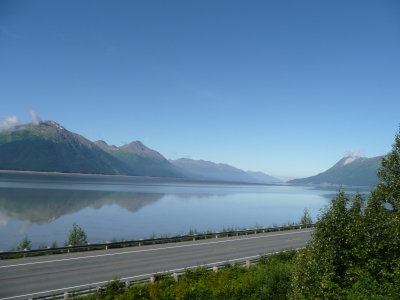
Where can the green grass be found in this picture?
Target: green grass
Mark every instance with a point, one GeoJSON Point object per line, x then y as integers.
{"type": "Point", "coordinates": [268, 279]}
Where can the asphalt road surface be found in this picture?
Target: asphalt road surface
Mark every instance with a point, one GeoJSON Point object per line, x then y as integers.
{"type": "Point", "coordinates": [26, 278]}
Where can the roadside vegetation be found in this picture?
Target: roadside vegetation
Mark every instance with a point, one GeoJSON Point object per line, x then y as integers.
{"type": "Point", "coordinates": [354, 254]}
{"type": "Point", "coordinates": [78, 237]}
{"type": "Point", "coordinates": [268, 279]}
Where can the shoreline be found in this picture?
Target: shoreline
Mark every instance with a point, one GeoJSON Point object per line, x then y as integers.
{"type": "Point", "coordinates": [175, 179]}
{"type": "Point", "coordinates": [135, 178]}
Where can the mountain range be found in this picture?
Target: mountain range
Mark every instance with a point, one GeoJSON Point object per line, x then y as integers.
{"type": "Point", "coordinates": [141, 160]}
{"type": "Point", "coordinates": [350, 171]}
{"type": "Point", "coordinates": [201, 170]}
{"type": "Point", "coordinates": [46, 146]}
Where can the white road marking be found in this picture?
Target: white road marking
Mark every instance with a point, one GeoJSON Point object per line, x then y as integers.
{"type": "Point", "coordinates": [154, 249]}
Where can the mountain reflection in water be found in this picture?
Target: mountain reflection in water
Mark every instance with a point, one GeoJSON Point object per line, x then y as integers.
{"type": "Point", "coordinates": [42, 206]}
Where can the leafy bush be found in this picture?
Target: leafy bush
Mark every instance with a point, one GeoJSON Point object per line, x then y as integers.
{"type": "Point", "coordinates": [306, 218]}
{"type": "Point", "coordinates": [26, 244]}
{"type": "Point", "coordinates": [77, 236]}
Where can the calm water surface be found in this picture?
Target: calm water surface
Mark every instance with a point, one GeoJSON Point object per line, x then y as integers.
{"type": "Point", "coordinates": [44, 207]}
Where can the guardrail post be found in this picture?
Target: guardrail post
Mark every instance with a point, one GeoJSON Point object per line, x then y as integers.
{"type": "Point", "coordinates": [175, 276]}
{"type": "Point", "coordinates": [215, 269]}
{"type": "Point", "coordinates": [152, 279]}
{"type": "Point", "coordinates": [66, 295]}
{"type": "Point", "coordinates": [127, 284]}
{"type": "Point", "coordinates": [216, 236]}
{"type": "Point", "coordinates": [99, 289]}
{"type": "Point", "coordinates": [247, 264]}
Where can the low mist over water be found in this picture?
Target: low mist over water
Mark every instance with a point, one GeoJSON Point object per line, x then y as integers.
{"type": "Point", "coordinates": [44, 207]}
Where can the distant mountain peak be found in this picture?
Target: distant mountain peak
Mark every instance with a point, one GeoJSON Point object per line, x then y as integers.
{"type": "Point", "coordinates": [102, 144]}
{"type": "Point", "coordinates": [203, 162]}
{"type": "Point", "coordinates": [349, 160]}
{"type": "Point", "coordinates": [135, 145]}
{"type": "Point", "coordinates": [51, 124]}
{"type": "Point", "coordinates": [141, 159]}
{"type": "Point", "coordinates": [202, 169]}
{"type": "Point", "coordinates": [140, 149]}
{"type": "Point", "coordinates": [351, 170]}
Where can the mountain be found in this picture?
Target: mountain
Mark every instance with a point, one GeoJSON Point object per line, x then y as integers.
{"type": "Point", "coordinates": [143, 160]}
{"type": "Point", "coordinates": [350, 170]}
{"type": "Point", "coordinates": [206, 170]}
{"type": "Point", "coordinates": [48, 146]}
{"type": "Point", "coordinates": [262, 177]}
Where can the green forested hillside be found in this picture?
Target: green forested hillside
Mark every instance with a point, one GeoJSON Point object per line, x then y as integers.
{"type": "Point", "coordinates": [141, 159]}
{"type": "Point", "coordinates": [48, 146]}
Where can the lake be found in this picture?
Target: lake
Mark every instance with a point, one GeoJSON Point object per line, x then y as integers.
{"type": "Point", "coordinates": [44, 206]}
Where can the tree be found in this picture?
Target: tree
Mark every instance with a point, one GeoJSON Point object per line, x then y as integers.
{"type": "Point", "coordinates": [382, 225]}
{"type": "Point", "coordinates": [354, 253]}
{"type": "Point", "coordinates": [320, 270]}
{"type": "Point", "coordinates": [77, 236]}
{"type": "Point", "coordinates": [26, 244]}
{"type": "Point", "coordinates": [306, 218]}
{"type": "Point", "coordinates": [389, 174]}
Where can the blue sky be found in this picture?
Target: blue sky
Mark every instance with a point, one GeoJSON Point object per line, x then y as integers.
{"type": "Point", "coordinates": [284, 87]}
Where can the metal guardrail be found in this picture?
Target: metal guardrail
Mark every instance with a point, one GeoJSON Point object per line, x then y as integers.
{"type": "Point", "coordinates": [127, 282]}
{"type": "Point", "coordinates": [141, 242]}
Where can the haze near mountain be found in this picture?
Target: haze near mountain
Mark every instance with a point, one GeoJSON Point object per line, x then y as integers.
{"type": "Point", "coordinates": [200, 169]}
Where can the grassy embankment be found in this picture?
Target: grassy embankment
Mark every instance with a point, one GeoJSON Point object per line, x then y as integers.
{"type": "Point", "coordinates": [268, 279]}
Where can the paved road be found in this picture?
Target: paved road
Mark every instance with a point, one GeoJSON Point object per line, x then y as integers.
{"type": "Point", "coordinates": [26, 277]}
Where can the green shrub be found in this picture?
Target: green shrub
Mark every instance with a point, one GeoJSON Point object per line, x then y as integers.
{"type": "Point", "coordinates": [77, 236]}
{"type": "Point", "coordinates": [26, 244]}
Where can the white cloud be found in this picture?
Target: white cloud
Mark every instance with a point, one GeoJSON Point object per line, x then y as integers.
{"type": "Point", "coordinates": [34, 116]}
{"type": "Point", "coordinates": [354, 152]}
{"type": "Point", "coordinates": [8, 122]}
